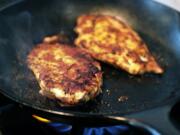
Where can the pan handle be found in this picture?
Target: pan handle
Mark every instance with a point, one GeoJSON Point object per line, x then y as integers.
{"type": "Point", "coordinates": [158, 118]}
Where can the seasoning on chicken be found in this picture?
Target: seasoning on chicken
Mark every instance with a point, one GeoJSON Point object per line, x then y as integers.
{"type": "Point", "coordinates": [110, 40]}
{"type": "Point", "coordinates": [65, 73]}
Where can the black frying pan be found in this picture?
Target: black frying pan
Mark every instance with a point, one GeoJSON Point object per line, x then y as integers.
{"type": "Point", "coordinates": [26, 23]}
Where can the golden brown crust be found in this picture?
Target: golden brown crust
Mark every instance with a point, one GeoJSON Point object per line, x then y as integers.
{"type": "Point", "coordinates": [110, 40]}
{"type": "Point", "coordinates": [68, 69]}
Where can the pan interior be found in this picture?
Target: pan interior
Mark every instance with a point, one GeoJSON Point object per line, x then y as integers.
{"type": "Point", "coordinates": [25, 25]}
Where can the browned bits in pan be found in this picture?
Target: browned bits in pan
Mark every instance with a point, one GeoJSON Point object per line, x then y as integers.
{"type": "Point", "coordinates": [122, 98]}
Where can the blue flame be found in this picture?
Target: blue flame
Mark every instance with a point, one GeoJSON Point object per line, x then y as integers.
{"type": "Point", "coordinates": [110, 130]}
{"type": "Point", "coordinates": [61, 128]}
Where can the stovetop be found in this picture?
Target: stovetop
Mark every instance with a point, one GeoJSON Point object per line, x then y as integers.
{"type": "Point", "coordinates": [15, 120]}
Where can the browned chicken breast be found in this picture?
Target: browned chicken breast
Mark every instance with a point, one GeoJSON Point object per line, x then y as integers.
{"type": "Point", "coordinates": [65, 73]}
{"type": "Point", "coordinates": [112, 41]}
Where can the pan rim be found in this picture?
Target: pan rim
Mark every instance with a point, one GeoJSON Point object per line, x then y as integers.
{"type": "Point", "coordinates": [170, 102]}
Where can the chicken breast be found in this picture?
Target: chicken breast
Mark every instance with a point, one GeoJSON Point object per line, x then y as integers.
{"type": "Point", "coordinates": [65, 73]}
{"type": "Point", "coordinates": [112, 41]}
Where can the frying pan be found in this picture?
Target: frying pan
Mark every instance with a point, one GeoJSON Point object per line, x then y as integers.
{"type": "Point", "coordinates": [26, 23]}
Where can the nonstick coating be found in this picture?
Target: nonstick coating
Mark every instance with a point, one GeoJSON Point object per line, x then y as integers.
{"type": "Point", "coordinates": [24, 25]}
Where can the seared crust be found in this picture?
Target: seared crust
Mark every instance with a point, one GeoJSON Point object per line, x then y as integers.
{"type": "Point", "coordinates": [65, 73]}
{"type": "Point", "coordinates": [112, 41]}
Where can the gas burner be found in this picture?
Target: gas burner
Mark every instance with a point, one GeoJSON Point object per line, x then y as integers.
{"type": "Point", "coordinates": [16, 120]}
{"type": "Point", "coordinates": [120, 129]}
